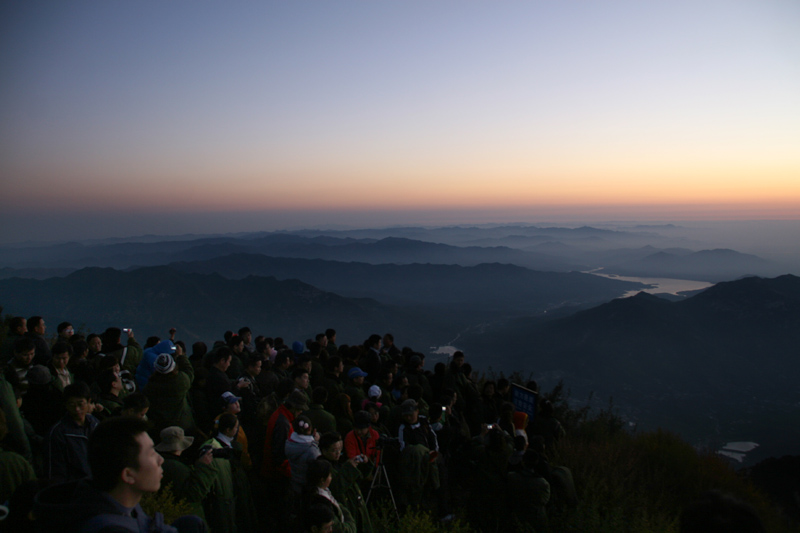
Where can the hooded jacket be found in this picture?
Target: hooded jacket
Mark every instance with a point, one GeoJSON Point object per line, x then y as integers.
{"type": "Point", "coordinates": [147, 364]}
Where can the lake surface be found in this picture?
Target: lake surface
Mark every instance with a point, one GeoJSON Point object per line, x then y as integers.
{"type": "Point", "coordinates": [659, 285]}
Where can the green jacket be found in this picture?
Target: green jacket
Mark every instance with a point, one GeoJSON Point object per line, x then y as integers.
{"type": "Point", "coordinates": [169, 397]}
{"type": "Point", "coordinates": [346, 490]}
{"type": "Point", "coordinates": [324, 422]}
{"type": "Point", "coordinates": [220, 506]}
{"type": "Point", "coordinates": [133, 356]}
{"type": "Point", "coordinates": [14, 471]}
{"type": "Point", "coordinates": [16, 430]}
{"type": "Point", "coordinates": [192, 483]}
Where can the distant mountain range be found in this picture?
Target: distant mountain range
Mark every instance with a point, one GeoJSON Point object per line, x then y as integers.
{"type": "Point", "coordinates": [705, 265]}
{"type": "Point", "coordinates": [285, 296]}
{"type": "Point", "coordinates": [640, 251]}
{"type": "Point", "coordinates": [700, 364]}
{"type": "Point", "coordinates": [203, 306]}
{"type": "Point", "coordinates": [490, 290]}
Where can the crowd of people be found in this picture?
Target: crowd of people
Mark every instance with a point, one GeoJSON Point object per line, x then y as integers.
{"type": "Point", "coordinates": [257, 435]}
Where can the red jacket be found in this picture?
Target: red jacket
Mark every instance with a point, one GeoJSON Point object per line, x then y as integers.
{"type": "Point", "coordinates": [275, 465]}
{"type": "Point", "coordinates": [354, 445]}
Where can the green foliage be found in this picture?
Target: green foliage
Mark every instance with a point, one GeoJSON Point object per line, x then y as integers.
{"type": "Point", "coordinates": [165, 502]}
{"type": "Point", "coordinates": [412, 521]}
{"type": "Point", "coordinates": [633, 483]}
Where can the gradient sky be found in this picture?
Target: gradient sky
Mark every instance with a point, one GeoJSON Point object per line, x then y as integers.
{"type": "Point", "coordinates": [121, 118]}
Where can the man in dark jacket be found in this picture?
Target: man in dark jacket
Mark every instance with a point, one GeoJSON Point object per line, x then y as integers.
{"type": "Point", "coordinates": [67, 456]}
{"type": "Point", "coordinates": [125, 466]}
{"type": "Point", "coordinates": [36, 331]}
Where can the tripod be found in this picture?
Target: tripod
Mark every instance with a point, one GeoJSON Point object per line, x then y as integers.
{"type": "Point", "coordinates": [380, 480]}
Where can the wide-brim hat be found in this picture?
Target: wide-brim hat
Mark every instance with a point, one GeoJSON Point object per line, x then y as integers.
{"type": "Point", "coordinates": [173, 440]}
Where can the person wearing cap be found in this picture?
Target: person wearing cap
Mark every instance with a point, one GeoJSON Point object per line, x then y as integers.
{"type": "Point", "coordinates": [168, 392]}
{"type": "Point", "coordinates": [190, 482]}
{"type": "Point", "coordinates": [230, 403]}
{"type": "Point", "coordinates": [363, 439]}
{"type": "Point", "coordinates": [419, 460]}
{"type": "Point", "coordinates": [147, 364]}
{"type": "Point", "coordinates": [355, 387]}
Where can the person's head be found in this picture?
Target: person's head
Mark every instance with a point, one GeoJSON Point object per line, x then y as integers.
{"type": "Point", "coordinates": [283, 360]}
{"type": "Point", "coordinates": [109, 381]}
{"type": "Point", "coordinates": [458, 359]}
{"type": "Point", "coordinates": [296, 402]}
{"type": "Point", "coordinates": [304, 362]}
{"type": "Point", "coordinates": [503, 385]}
{"type": "Point", "coordinates": [409, 410]}
{"type": "Point", "coordinates": [319, 518]}
{"type": "Point", "coordinates": [303, 425]}
{"type": "Point", "coordinates": [230, 403]}
{"type": "Point", "coordinates": [173, 440]}
{"type": "Point", "coordinates": [65, 330]}
{"type": "Point", "coordinates": [165, 365]}
{"type": "Point", "coordinates": [36, 325]}
{"type": "Point", "coordinates": [321, 339]}
{"type": "Point", "coordinates": [254, 364]}
{"type": "Point", "coordinates": [136, 405]}
{"type": "Point", "coordinates": [221, 359]}
{"type": "Point", "coordinates": [300, 377]}
{"type": "Point", "coordinates": [24, 351]}
{"type": "Point", "coordinates": [76, 401]}
{"type": "Point", "coordinates": [95, 342]}
{"type": "Point", "coordinates": [331, 334]}
{"type": "Point", "coordinates": [331, 446]}
{"type": "Point", "coordinates": [489, 387]}
{"type": "Point", "coordinates": [361, 424]}
{"type": "Point", "coordinates": [61, 351]}
{"type": "Point", "coordinates": [18, 325]}
{"type": "Point", "coordinates": [318, 474]}
{"type": "Point", "coordinates": [109, 361]}
{"type": "Point", "coordinates": [261, 344]}
{"type": "Point", "coordinates": [356, 376]}
{"type": "Point", "coordinates": [236, 344]}
{"type": "Point", "coordinates": [122, 456]}
{"type": "Point", "coordinates": [373, 342]}
{"type": "Point", "coordinates": [385, 378]}
{"type": "Point", "coordinates": [228, 425]}
{"type": "Point", "coordinates": [199, 349]}
{"type": "Point", "coordinates": [111, 338]}
{"type": "Point", "coordinates": [151, 341]}
{"type": "Point", "coordinates": [388, 340]}
{"type": "Point", "coordinates": [245, 334]}
{"type": "Point", "coordinates": [79, 350]}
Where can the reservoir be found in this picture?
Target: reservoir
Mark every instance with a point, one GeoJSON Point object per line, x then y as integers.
{"type": "Point", "coordinates": [659, 285]}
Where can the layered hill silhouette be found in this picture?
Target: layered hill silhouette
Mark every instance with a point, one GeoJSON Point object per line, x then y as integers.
{"type": "Point", "coordinates": [651, 251]}
{"type": "Point", "coordinates": [701, 363]}
{"type": "Point", "coordinates": [489, 289]}
{"type": "Point", "coordinates": [705, 265]}
{"type": "Point", "coordinates": [203, 306]}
